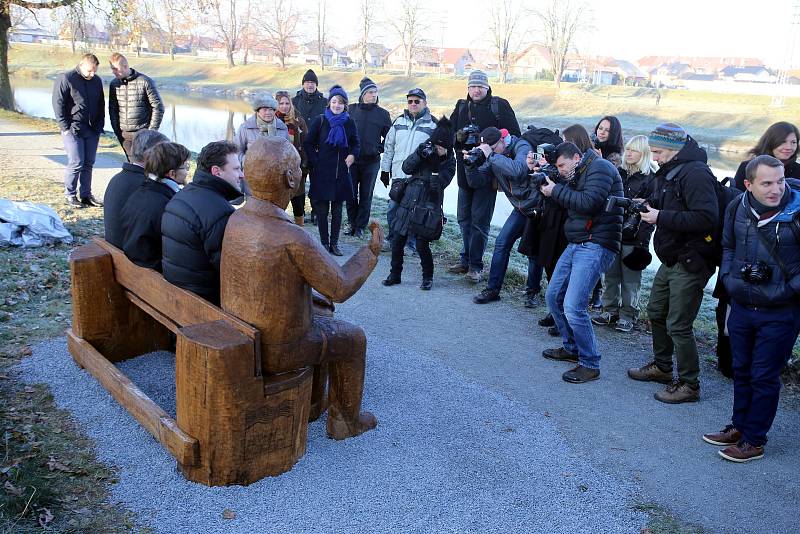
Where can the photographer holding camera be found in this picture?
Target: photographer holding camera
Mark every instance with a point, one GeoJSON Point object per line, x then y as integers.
{"type": "Point", "coordinates": [506, 158]}
{"type": "Point", "coordinates": [685, 210]}
{"type": "Point", "coordinates": [594, 237]}
{"type": "Point", "coordinates": [761, 273]}
{"type": "Point", "coordinates": [476, 194]}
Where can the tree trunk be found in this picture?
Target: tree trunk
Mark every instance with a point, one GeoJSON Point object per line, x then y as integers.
{"type": "Point", "coordinates": [6, 95]}
{"type": "Point", "coordinates": [229, 52]}
{"type": "Point", "coordinates": [172, 45]}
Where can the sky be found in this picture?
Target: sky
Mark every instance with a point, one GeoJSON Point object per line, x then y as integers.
{"type": "Point", "coordinates": [625, 29]}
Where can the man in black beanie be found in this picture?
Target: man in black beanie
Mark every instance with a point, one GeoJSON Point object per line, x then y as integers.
{"type": "Point", "coordinates": [373, 123]}
{"type": "Point", "coordinates": [309, 103]}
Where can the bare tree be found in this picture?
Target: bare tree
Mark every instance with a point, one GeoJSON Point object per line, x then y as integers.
{"type": "Point", "coordinates": [279, 26]}
{"type": "Point", "coordinates": [174, 13]}
{"type": "Point", "coordinates": [561, 20]}
{"type": "Point", "coordinates": [322, 31]}
{"type": "Point", "coordinates": [505, 30]}
{"type": "Point", "coordinates": [368, 10]}
{"type": "Point", "coordinates": [136, 17]}
{"type": "Point", "coordinates": [229, 21]}
{"type": "Point", "coordinates": [410, 24]}
{"type": "Point", "coordinates": [6, 95]}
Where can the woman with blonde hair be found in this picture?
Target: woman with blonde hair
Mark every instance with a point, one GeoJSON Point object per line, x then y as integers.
{"type": "Point", "coordinates": [297, 134]}
{"type": "Point", "coordinates": [624, 277]}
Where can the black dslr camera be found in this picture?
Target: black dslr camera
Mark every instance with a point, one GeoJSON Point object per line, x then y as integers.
{"type": "Point", "coordinates": [548, 150]}
{"type": "Point", "coordinates": [427, 149]}
{"type": "Point", "coordinates": [474, 158]}
{"type": "Point", "coordinates": [469, 136]}
{"type": "Point", "coordinates": [756, 273]}
{"type": "Point", "coordinates": [633, 214]}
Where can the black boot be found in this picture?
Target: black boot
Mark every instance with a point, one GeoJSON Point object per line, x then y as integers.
{"type": "Point", "coordinates": [547, 320]}
{"type": "Point", "coordinates": [426, 284]}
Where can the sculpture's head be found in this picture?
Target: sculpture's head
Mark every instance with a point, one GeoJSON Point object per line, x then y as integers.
{"type": "Point", "coordinates": [272, 170]}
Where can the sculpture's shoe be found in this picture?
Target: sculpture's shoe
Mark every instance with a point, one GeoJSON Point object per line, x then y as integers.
{"type": "Point", "coordinates": [342, 429]}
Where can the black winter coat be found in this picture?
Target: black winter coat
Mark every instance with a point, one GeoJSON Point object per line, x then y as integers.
{"type": "Point", "coordinates": [134, 104]}
{"type": "Point", "coordinates": [330, 176]}
{"type": "Point", "coordinates": [121, 186]}
{"type": "Point", "coordinates": [638, 185]}
{"type": "Point", "coordinates": [309, 106]}
{"type": "Point", "coordinates": [688, 207]}
{"type": "Point", "coordinates": [373, 123]}
{"type": "Point", "coordinates": [742, 246]}
{"type": "Point", "coordinates": [428, 179]}
{"type": "Point", "coordinates": [141, 223]}
{"type": "Point", "coordinates": [467, 111]}
{"type": "Point", "coordinates": [595, 180]}
{"type": "Point", "coordinates": [192, 229]}
{"type": "Point", "coordinates": [79, 104]}
{"type": "Point", "coordinates": [791, 169]}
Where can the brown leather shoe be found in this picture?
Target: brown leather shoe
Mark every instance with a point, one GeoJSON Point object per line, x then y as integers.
{"type": "Point", "coordinates": [727, 436]}
{"type": "Point", "coordinates": [743, 452]}
{"type": "Point", "coordinates": [678, 393]}
{"type": "Point", "coordinates": [580, 374]}
{"type": "Point", "coordinates": [560, 354]}
{"type": "Point", "coordinates": [650, 373]}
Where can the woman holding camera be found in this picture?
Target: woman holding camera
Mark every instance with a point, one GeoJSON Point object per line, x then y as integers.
{"type": "Point", "coordinates": [779, 141]}
{"type": "Point", "coordinates": [430, 168]}
{"type": "Point", "coordinates": [624, 277]}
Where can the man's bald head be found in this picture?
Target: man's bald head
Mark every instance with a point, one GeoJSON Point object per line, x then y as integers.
{"type": "Point", "coordinates": [272, 170]}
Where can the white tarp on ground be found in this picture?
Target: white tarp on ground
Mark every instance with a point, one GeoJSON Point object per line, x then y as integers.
{"type": "Point", "coordinates": [25, 224]}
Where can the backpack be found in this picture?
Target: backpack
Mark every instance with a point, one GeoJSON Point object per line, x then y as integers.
{"type": "Point", "coordinates": [538, 136]}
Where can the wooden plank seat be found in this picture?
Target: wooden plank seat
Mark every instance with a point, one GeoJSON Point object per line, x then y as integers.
{"type": "Point", "coordinates": [233, 424]}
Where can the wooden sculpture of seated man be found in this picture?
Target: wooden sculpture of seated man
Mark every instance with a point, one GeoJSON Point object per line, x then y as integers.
{"type": "Point", "coordinates": [269, 266]}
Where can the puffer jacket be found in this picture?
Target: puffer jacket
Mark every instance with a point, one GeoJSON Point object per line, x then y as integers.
{"type": "Point", "coordinates": [403, 138]}
{"type": "Point", "coordinates": [638, 185]}
{"type": "Point", "coordinates": [688, 207]}
{"type": "Point", "coordinates": [309, 106]}
{"type": "Point", "coordinates": [510, 169]}
{"type": "Point", "coordinates": [595, 180]}
{"type": "Point", "coordinates": [742, 246]}
{"type": "Point", "coordinates": [192, 229]}
{"type": "Point", "coordinates": [249, 132]}
{"type": "Point", "coordinates": [428, 179]}
{"type": "Point", "coordinates": [134, 104]}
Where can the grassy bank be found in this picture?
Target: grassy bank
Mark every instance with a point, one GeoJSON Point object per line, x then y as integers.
{"type": "Point", "coordinates": [726, 121]}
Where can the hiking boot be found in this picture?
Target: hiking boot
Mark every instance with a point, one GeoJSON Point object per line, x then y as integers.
{"type": "Point", "coordinates": [334, 249]}
{"type": "Point", "coordinates": [742, 452]}
{"type": "Point", "coordinates": [391, 280]}
{"type": "Point", "coordinates": [580, 374]}
{"type": "Point", "coordinates": [427, 284]}
{"type": "Point", "coordinates": [91, 201]}
{"type": "Point", "coordinates": [487, 295]}
{"type": "Point", "coordinates": [553, 331]}
{"type": "Point", "coordinates": [457, 268]}
{"type": "Point", "coordinates": [624, 325]}
{"type": "Point", "coordinates": [650, 373]}
{"type": "Point", "coordinates": [678, 393]}
{"type": "Point", "coordinates": [547, 320]}
{"type": "Point", "coordinates": [358, 233]}
{"type": "Point", "coordinates": [605, 318]}
{"type": "Point", "coordinates": [74, 202]}
{"type": "Point", "coordinates": [387, 246]}
{"type": "Point", "coordinates": [560, 354]}
{"type": "Point", "coordinates": [727, 436]}
{"type": "Point", "coordinates": [474, 276]}
{"type": "Point", "coordinates": [532, 299]}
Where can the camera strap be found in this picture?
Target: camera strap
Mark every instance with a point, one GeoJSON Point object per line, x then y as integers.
{"type": "Point", "coordinates": [773, 255]}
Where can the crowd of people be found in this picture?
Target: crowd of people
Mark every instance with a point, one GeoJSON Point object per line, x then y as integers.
{"type": "Point", "coordinates": [585, 208]}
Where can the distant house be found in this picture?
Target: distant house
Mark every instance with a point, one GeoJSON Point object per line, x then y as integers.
{"type": "Point", "coordinates": [531, 63]}
{"type": "Point", "coordinates": [747, 74]}
{"type": "Point", "coordinates": [426, 59]}
{"type": "Point", "coordinates": [667, 74]}
{"type": "Point", "coordinates": [484, 60]}
{"type": "Point", "coordinates": [576, 69]}
{"type": "Point", "coordinates": [611, 71]}
{"type": "Point", "coordinates": [30, 34]}
{"type": "Point", "coordinates": [375, 54]}
{"type": "Point", "coordinates": [456, 60]}
{"type": "Point", "coordinates": [692, 77]}
{"type": "Point", "coordinates": [331, 56]}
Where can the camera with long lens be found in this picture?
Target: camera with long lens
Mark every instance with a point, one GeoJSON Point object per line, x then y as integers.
{"type": "Point", "coordinates": [469, 136]}
{"type": "Point", "coordinates": [427, 149]}
{"type": "Point", "coordinates": [756, 273]}
{"type": "Point", "coordinates": [474, 158]}
{"type": "Point", "coordinates": [633, 214]}
{"type": "Point", "coordinates": [538, 178]}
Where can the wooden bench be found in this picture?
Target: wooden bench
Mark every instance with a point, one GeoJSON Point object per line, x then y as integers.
{"type": "Point", "coordinates": [233, 425]}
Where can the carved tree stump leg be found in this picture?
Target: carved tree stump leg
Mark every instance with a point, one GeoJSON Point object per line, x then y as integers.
{"type": "Point", "coordinates": [319, 397]}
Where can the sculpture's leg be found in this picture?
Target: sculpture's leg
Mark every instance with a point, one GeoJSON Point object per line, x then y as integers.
{"type": "Point", "coordinates": [319, 398]}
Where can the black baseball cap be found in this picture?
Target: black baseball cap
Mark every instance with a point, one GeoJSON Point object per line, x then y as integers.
{"type": "Point", "coordinates": [418, 93]}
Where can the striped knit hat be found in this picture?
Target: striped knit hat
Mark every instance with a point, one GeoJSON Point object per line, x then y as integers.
{"type": "Point", "coordinates": [668, 135]}
{"type": "Point", "coordinates": [479, 79]}
{"type": "Point", "coordinates": [365, 85]}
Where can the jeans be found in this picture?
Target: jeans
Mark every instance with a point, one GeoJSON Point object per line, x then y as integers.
{"type": "Point", "coordinates": [474, 213]}
{"type": "Point", "coordinates": [533, 284]}
{"type": "Point", "coordinates": [511, 231]}
{"type": "Point", "coordinates": [425, 257]}
{"type": "Point", "coordinates": [81, 153]}
{"type": "Point", "coordinates": [621, 295]}
{"type": "Point", "coordinates": [411, 242]}
{"type": "Point", "coordinates": [675, 299]}
{"type": "Point", "coordinates": [322, 208]}
{"type": "Point", "coordinates": [364, 176]}
{"type": "Point", "coordinates": [577, 271]}
{"type": "Point", "coordinates": [761, 341]}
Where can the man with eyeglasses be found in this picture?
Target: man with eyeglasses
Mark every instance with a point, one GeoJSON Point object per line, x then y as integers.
{"type": "Point", "coordinates": [410, 129]}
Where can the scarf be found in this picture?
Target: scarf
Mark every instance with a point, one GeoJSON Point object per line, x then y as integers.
{"type": "Point", "coordinates": [289, 121]}
{"type": "Point", "coordinates": [337, 136]}
{"type": "Point", "coordinates": [268, 128]}
{"type": "Point", "coordinates": [766, 213]}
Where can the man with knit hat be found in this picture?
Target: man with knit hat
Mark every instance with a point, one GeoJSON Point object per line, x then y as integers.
{"type": "Point", "coordinates": [373, 123]}
{"type": "Point", "coordinates": [684, 210]}
{"type": "Point", "coordinates": [476, 197]}
{"type": "Point", "coordinates": [309, 104]}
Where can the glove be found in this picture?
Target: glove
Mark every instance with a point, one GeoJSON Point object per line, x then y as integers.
{"type": "Point", "coordinates": [385, 177]}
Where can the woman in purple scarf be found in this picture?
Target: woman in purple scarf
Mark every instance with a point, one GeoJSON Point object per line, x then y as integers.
{"type": "Point", "coordinates": [331, 147]}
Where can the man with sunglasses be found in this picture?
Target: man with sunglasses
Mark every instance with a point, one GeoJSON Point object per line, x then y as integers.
{"type": "Point", "coordinates": [408, 131]}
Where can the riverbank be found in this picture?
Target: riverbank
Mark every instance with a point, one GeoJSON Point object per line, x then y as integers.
{"type": "Point", "coordinates": [725, 122]}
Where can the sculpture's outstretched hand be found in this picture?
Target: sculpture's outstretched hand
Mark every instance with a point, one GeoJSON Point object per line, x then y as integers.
{"type": "Point", "coordinates": [377, 236]}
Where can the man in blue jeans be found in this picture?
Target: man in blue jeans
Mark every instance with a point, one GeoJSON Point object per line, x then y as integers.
{"type": "Point", "coordinates": [595, 238]}
{"type": "Point", "coordinates": [79, 107]}
{"type": "Point", "coordinates": [506, 162]}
